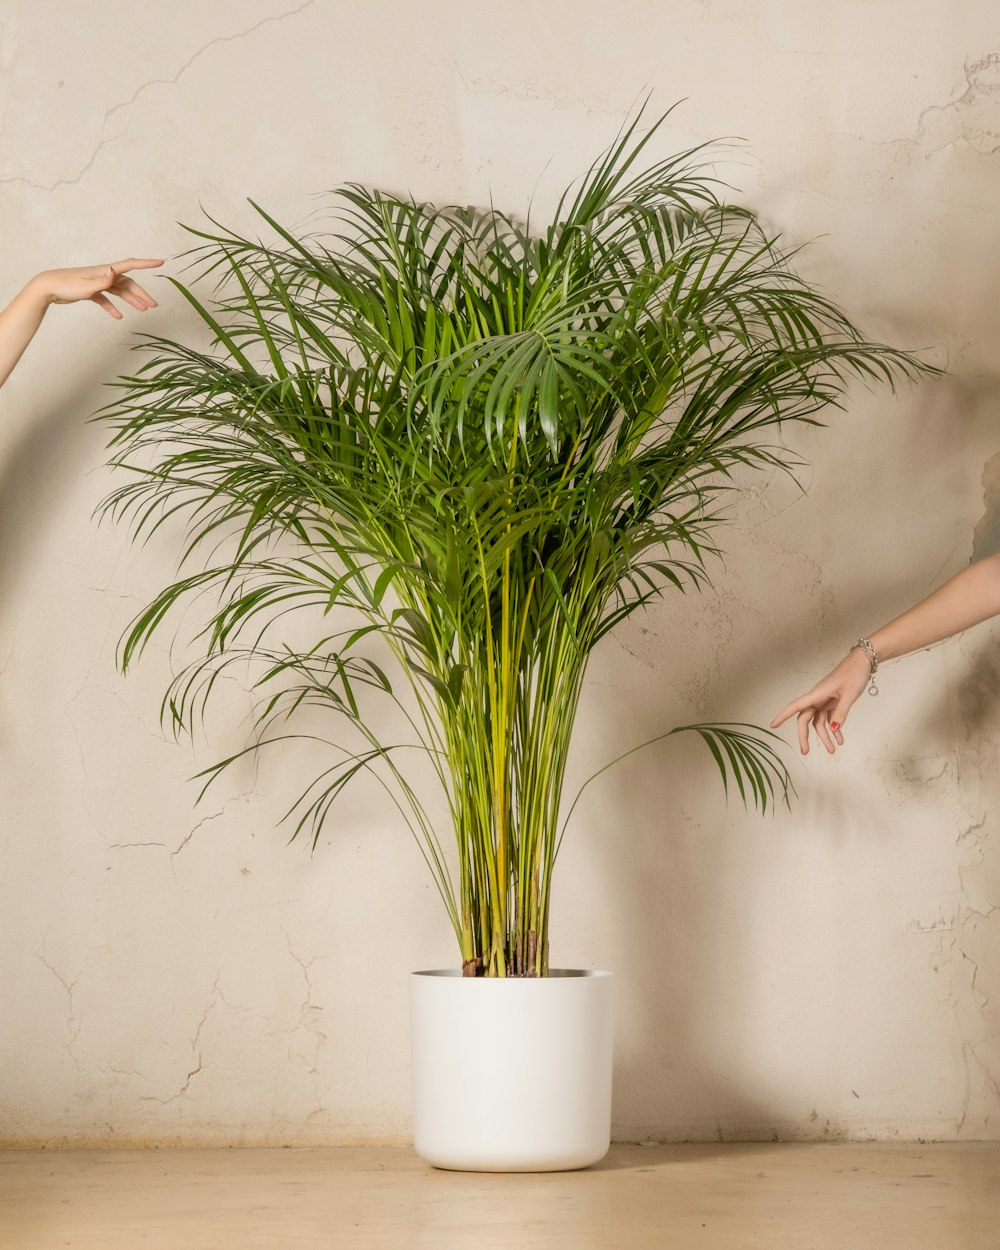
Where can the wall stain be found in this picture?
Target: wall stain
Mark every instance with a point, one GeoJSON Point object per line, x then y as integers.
{"type": "Point", "coordinates": [986, 536]}
{"type": "Point", "coordinates": [975, 941]}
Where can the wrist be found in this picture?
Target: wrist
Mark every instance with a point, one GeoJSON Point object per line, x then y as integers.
{"type": "Point", "coordinates": [856, 658]}
{"type": "Point", "coordinates": [865, 649]}
{"type": "Point", "coordinates": [37, 294]}
{"type": "Point", "coordinates": [856, 666]}
{"type": "Point", "coordinates": [883, 646]}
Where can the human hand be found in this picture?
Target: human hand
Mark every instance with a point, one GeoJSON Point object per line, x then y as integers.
{"type": "Point", "coordinates": [826, 706]}
{"type": "Point", "coordinates": [96, 283]}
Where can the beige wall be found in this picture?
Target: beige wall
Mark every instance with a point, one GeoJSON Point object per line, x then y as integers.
{"type": "Point", "coordinates": [178, 974]}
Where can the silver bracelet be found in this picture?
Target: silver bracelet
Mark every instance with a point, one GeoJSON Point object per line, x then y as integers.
{"type": "Point", "coordinates": [872, 654]}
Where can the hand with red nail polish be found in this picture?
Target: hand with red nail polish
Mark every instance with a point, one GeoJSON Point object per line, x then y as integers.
{"type": "Point", "coordinates": [967, 599]}
{"type": "Point", "coordinates": [826, 705]}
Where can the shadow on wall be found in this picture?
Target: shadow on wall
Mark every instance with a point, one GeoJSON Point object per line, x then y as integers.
{"type": "Point", "coordinates": [685, 981]}
{"type": "Point", "coordinates": [687, 977]}
{"type": "Point", "coordinates": [56, 447]}
{"type": "Point", "coordinates": [986, 540]}
{"type": "Point", "coordinates": [63, 385]}
{"type": "Point", "coordinates": [976, 935]}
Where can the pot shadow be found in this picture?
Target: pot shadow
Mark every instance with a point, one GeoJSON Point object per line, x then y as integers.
{"type": "Point", "coordinates": [655, 1156]}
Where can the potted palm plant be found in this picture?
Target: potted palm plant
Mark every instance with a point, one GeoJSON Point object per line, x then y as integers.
{"type": "Point", "coordinates": [470, 449]}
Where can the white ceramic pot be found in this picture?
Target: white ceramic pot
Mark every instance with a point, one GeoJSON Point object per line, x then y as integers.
{"type": "Point", "coordinates": [511, 1074]}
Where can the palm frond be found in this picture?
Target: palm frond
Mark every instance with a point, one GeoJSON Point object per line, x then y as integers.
{"type": "Point", "coordinates": [487, 445]}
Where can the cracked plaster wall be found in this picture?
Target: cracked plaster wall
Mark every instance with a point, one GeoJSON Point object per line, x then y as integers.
{"type": "Point", "coordinates": [178, 974]}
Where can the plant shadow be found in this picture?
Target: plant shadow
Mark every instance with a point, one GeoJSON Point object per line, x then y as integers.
{"type": "Point", "coordinates": [687, 908]}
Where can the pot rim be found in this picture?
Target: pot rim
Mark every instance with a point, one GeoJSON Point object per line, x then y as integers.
{"type": "Point", "coordinates": [554, 974]}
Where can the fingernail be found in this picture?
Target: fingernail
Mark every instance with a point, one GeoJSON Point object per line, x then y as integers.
{"type": "Point", "coordinates": [834, 725]}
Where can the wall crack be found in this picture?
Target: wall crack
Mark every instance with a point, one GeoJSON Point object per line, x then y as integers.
{"type": "Point", "coordinates": [122, 105]}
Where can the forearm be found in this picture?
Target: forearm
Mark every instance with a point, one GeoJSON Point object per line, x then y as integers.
{"type": "Point", "coordinates": [971, 596]}
{"type": "Point", "coordinates": [18, 323]}
{"type": "Point", "coordinates": [968, 598]}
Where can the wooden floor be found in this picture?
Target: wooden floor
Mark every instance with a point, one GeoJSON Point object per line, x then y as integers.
{"type": "Point", "coordinates": [740, 1197]}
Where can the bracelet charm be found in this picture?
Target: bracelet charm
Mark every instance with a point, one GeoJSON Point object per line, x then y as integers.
{"type": "Point", "coordinates": [872, 655]}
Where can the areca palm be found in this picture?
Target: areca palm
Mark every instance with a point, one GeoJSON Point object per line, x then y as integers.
{"type": "Point", "coordinates": [490, 445]}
